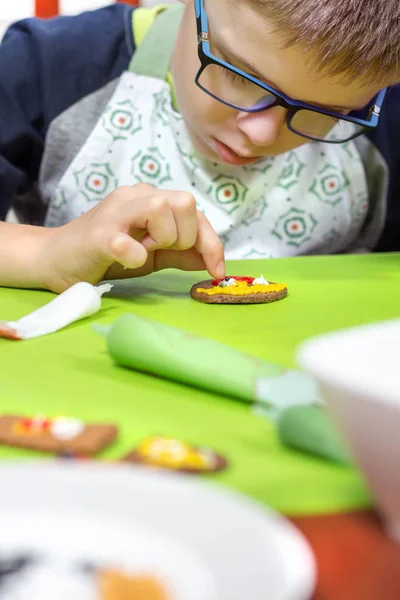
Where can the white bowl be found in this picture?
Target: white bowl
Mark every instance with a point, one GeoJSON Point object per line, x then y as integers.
{"type": "Point", "coordinates": [358, 372]}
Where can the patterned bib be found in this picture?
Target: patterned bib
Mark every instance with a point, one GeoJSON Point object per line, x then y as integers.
{"type": "Point", "coordinates": [313, 199]}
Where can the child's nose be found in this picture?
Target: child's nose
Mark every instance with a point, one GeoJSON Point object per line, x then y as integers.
{"type": "Point", "coordinates": [263, 128]}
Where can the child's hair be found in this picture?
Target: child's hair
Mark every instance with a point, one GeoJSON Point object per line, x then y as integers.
{"type": "Point", "coordinates": [350, 38]}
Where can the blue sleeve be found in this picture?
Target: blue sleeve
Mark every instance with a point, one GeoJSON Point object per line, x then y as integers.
{"type": "Point", "coordinates": [45, 67]}
{"type": "Point", "coordinates": [386, 138]}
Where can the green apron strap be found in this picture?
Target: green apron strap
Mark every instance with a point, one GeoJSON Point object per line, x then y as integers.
{"type": "Point", "coordinates": [153, 55]}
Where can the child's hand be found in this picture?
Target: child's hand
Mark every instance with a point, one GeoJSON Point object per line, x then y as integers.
{"type": "Point", "coordinates": [134, 231]}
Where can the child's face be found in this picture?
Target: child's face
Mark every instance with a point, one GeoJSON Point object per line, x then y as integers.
{"type": "Point", "coordinates": [226, 135]}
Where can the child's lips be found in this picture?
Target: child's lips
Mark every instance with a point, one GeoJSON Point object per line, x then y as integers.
{"type": "Point", "coordinates": [231, 157]}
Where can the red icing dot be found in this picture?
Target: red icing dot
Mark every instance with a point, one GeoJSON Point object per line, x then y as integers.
{"type": "Point", "coordinates": [122, 120]}
{"type": "Point", "coordinates": [227, 193]}
{"type": "Point", "coordinates": [28, 423]}
{"type": "Point", "coordinates": [96, 182]}
{"type": "Point", "coordinates": [151, 167]}
{"type": "Point", "coordinates": [332, 184]}
{"type": "Point", "coordinates": [294, 227]}
{"type": "Point", "coordinates": [248, 279]}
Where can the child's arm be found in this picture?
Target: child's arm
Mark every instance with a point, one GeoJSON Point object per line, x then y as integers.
{"type": "Point", "coordinates": [44, 68]}
{"type": "Point", "coordinates": [134, 231]}
{"type": "Point", "coordinates": [21, 247]}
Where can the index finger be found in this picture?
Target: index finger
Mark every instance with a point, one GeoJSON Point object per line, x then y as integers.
{"type": "Point", "coordinates": [209, 245]}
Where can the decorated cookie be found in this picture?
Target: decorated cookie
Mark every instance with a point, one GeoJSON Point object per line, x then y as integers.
{"type": "Point", "coordinates": [238, 290]}
{"type": "Point", "coordinates": [169, 453]}
{"type": "Point", "coordinates": [55, 435]}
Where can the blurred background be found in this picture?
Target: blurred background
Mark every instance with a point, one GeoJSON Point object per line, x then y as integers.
{"type": "Point", "coordinates": [12, 11]}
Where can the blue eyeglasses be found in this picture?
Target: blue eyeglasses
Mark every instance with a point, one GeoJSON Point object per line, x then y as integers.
{"type": "Point", "coordinates": [243, 92]}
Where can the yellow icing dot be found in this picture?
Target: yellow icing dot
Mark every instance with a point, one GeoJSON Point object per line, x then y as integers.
{"type": "Point", "coordinates": [242, 288]}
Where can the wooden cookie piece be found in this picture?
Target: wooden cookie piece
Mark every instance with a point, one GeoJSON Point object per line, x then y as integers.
{"type": "Point", "coordinates": [237, 290]}
{"type": "Point", "coordinates": [55, 435]}
{"type": "Point", "coordinates": [175, 455]}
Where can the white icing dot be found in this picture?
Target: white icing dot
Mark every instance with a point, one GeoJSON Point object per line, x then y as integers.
{"type": "Point", "coordinates": [225, 283]}
{"type": "Point", "coordinates": [63, 428]}
{"type": "Point", "coordinates": [260, 281]}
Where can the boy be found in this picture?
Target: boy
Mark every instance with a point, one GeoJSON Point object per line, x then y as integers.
{"type": "Point", "coordinates": [241, 121]}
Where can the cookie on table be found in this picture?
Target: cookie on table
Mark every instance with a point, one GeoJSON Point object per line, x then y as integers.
{"type": "Point", "coordinates": [55, 435]}
{"type": "Point", "coordinates": [176, 455]}
{"type": "Point", "coordinates": [238, 290]}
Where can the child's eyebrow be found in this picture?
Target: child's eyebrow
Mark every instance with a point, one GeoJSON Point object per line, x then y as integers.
{"type": "Point", "coordinates": [232, 58]}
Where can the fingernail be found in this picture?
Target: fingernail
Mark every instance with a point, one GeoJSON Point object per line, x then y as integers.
{"type": "Point", "coordinates": [220, 270]}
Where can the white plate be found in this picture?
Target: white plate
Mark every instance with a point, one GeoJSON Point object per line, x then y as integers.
{"type": "Point", "coordinates": [205, 543]}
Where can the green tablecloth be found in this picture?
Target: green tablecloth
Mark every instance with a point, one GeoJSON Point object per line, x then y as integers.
{"type": "Point", "coordinates": [70, 372]}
